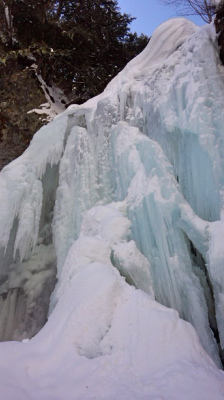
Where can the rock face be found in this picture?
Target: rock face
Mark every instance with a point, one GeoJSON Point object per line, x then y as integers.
{"type": "Point", "coordinates": [19, 93]}
{"type": "Point", "coordinates": [219, 24]}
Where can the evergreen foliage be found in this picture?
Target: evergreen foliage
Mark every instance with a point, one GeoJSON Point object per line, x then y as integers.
{"type": "Point", "coordinates": [77, 45]}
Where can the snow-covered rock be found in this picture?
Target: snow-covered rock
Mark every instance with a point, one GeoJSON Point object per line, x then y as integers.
{"type": "Point", "coordinates": [124, 194]}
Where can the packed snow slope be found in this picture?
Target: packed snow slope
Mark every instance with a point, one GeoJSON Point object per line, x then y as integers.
{"type": "Point", "coordinates": [111, 233]}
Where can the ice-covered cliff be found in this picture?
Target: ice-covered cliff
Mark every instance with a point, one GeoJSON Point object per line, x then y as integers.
{"type": "Point", "coordinates": [113, 216]}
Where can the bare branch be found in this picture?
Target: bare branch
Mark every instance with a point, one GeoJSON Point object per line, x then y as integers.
{"type": "Point", "coordinates": [204, 8]}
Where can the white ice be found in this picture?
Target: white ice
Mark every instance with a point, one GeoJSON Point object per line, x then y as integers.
{"type": "Point", "coordinates": [124, 196]}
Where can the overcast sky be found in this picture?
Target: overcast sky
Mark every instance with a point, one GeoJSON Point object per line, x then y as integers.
{"type": "Point", "coordinates": [149, 13]}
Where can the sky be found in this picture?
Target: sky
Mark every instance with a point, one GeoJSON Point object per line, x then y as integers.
{"type": "Point", "coordinates": [149, 14]}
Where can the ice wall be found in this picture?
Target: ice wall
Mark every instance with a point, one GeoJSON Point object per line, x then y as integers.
{"type": "Point", "coordinates": [131, 181]}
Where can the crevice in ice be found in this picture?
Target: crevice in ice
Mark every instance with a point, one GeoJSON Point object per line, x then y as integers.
{"type": "Point", "coordinates": [50, 184]}
{"type": "Point", "coordinates": [129, 278]}
{"type": "Point", "coordinates": [201, 271]}
{"type": "Point", "coordinates": [12, 305]}
{"type": "Point", "coordinates": [25, 294]}
{"type": "Point", "coordinates": [6, 254]}
{"type": "Point", "coordinates": [26, 285]}
{"type": "Point", "coordinates": [133, 266]}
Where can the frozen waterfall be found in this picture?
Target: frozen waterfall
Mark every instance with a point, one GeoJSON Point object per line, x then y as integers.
{"type": "Point", "coordinates": [111, 236]}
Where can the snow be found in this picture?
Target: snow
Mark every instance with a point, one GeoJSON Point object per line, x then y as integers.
{"type": "Point", "coordinates": [7, 16]}
{"type": "Point", "coordinates": [105, 339]}
{"type": "Point", "coordinates": [112, 219]}
{"type": "Point", "coordinates": [216, 2]}
{"type": "Point", "coordinates": [55, 97]}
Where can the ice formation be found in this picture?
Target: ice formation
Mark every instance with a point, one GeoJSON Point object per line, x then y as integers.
{"type": "Point", "coordinates": [123, 197]}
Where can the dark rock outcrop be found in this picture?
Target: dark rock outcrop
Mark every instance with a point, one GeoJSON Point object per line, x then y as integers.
{"type": "Point", "coordinates": [19, 93]}
{"type": "Point", "coordinates": [219, 25]}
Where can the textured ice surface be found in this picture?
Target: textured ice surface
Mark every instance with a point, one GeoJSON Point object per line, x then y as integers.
{"type": "Point", "coordinates": [125, 195]}
{"type": "Point", "coordinates": [105, 339]}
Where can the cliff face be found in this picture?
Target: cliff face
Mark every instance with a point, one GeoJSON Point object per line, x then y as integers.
{"type": "Point", "coordinates": [19, 93]}
{"type": "Point", "coordinates": [219, 24]}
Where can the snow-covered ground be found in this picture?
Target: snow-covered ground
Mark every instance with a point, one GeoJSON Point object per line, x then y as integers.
{"type": "Point", "coordinates": [124, 197]}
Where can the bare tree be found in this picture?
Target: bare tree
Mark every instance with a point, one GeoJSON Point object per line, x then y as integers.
{"type": "Point", "coordinates": [204, 8]}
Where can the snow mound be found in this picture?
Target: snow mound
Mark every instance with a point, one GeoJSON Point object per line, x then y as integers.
{"type": "Point", "coordinates": [105, 339]}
